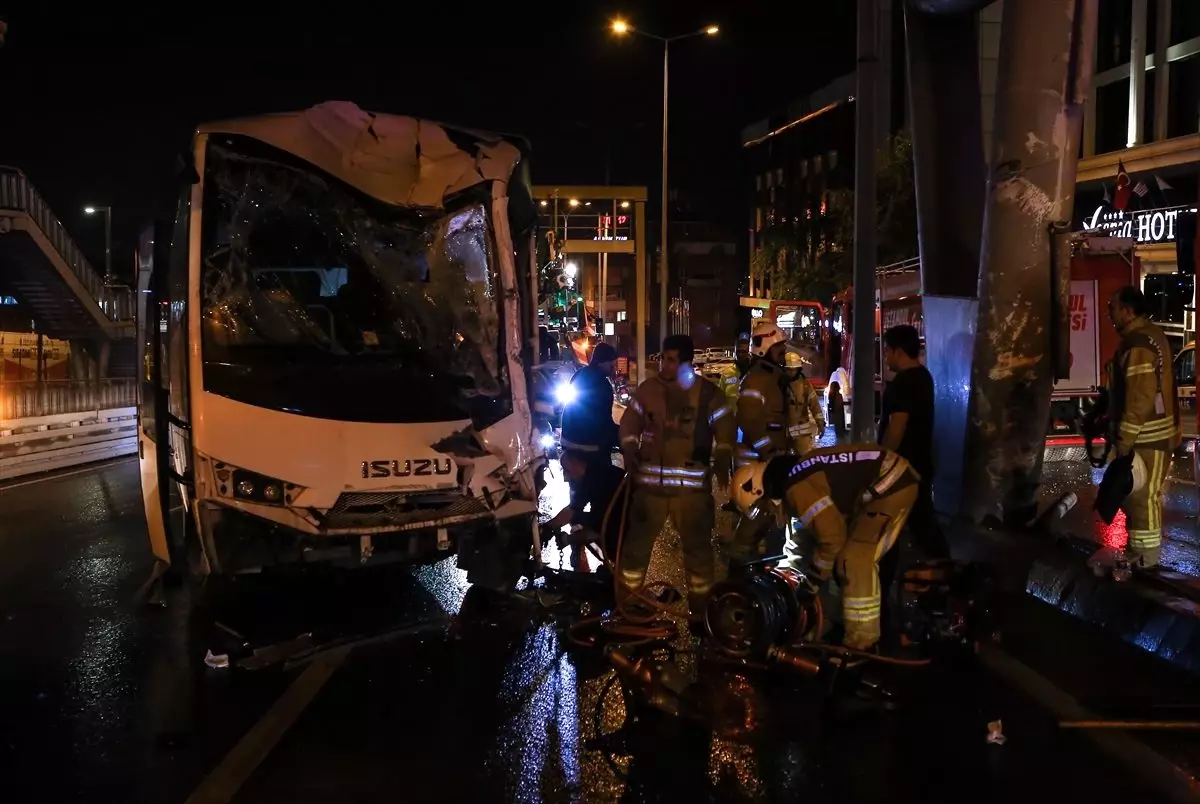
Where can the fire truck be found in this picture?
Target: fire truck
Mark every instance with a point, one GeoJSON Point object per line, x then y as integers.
{"type": "Point", "coordinates": [1099, 267]}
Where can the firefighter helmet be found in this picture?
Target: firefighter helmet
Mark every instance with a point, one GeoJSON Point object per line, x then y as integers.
{"type": "Point", "coordinates": [765, 335]}
{"type": "Point", "coordinates": [747, 487]}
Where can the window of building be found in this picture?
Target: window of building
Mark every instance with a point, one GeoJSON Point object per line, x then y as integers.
{"type": "Point", "coordinates": [804, 168]}
{"type": "Point", "coordinates": [1112, 32]}
{"type": "Point", "coordinates": [758, 182]}
{"type": "Point", "coordinates": [770, 180]}
{"type": "Point", "coordinates": [1185, 22]}
{"type": "Point", "coordinates": [832, 156]}
{"type": "Point", "coordinates": [621, 315]}
{"type": "Point", "coordinates": [1183, 113]}
{"type": "Point", "coordinates": [816, 160]}
{"type": "Point", "coordinates": [758, 219]}
{"type": "Point", "coordinates": [779, 177]}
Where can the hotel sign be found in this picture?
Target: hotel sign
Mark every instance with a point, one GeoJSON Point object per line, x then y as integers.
{"type": "Point", "coordinates": [1144, 226]}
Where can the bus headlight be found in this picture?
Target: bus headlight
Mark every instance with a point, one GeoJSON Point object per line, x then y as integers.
{"type": "Point", "coordinates": [258, 488]}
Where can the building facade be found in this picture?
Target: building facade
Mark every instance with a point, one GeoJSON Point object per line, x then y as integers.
{"type": "Point", "coordinates": [1143, 113]}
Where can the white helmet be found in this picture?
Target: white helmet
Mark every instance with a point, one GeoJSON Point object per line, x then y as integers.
{"type": "Point", "coordinates": [746, 488]}
{"type": "Point", "coordinates": [765, 335]}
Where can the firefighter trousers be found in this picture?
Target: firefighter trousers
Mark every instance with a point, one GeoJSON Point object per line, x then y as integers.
{"type": "Point", "coordinates": [694, 516]}
{"type": "Point", "coordinates": [1143, 508]}
{"type": "Point", "coordinates": [851, 551]}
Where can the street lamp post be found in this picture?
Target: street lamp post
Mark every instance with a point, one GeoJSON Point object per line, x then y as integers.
{"type": "Point", "coordinates": [620, 28]}
{"type": "Point", "coordinates": [108, 277]}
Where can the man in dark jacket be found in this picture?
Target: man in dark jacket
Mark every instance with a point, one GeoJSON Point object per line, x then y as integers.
{"type": "Point", "coordinates": [587, 423]}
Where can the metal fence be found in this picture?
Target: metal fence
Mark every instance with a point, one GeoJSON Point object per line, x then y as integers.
{"type": "Point", "coordinates": [28, 399]}
{"type": "Point", "coordinates": [16, 193]}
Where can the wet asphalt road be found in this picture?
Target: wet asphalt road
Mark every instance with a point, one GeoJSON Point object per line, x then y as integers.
{"type": "Point", "coordinates": [105, 700]}
{"type": "Point", "coordinates": [1181, 531]}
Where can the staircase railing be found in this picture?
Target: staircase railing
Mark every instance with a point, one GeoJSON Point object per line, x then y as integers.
{"type": "Point", "coordinates": [16, 193]}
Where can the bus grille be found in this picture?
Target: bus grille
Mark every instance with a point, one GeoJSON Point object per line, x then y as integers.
{"type": "Point", "coordinates": [402, 511]}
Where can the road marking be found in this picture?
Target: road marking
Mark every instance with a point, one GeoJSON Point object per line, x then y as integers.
{"type": "Point", "coordinates": [225, 780]}
{"type": "Point", "coordinates": [1152, 768]}
{"type": "Point", "coordinates": [93, 468]}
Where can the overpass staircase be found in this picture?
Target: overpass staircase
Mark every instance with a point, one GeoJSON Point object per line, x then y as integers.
{"type": "Point", "coordinates": [67, 298]}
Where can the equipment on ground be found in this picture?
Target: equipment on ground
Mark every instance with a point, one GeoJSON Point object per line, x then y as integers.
{"type": "Point", "coordinates": [762, 608]}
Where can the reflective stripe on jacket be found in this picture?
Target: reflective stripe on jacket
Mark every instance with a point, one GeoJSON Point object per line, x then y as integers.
{"type": "Point", "coordinates": [673, 430]}
{"type": "Point", "coordinates": [1143, 391]}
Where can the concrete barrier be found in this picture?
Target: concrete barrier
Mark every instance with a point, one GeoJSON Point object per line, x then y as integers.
{"type": "Point", "coordinates": [44, 443]}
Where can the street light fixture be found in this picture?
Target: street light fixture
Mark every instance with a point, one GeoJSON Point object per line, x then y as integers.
{"type": "Point", "coordinates": [90, 210]}
{"type": "Point", "coordinates": [622, 27]}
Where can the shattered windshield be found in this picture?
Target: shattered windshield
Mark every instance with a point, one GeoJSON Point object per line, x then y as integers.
{"type": "Point", "coordinates": [319, 300]}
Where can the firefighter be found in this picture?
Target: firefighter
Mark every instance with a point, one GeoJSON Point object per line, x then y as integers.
{"type": "Point", "coordinates": [741, 353]}
{"type": "Point", "coordinates": [806, 418]}
{"type": "Point", "coordinates": [762, 414]}
{"type": "Point", "coordinates": [730, 374]}
{"type": "Point", "coordinates": [855, 499]}
{"type": "Point", "coordinates": [1144, 417]}
{"type": "Point", "coordinates": [668, 434]}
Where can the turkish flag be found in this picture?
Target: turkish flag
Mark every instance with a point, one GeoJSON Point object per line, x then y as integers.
{"type": "Point", "coordinates": [1121, 196]}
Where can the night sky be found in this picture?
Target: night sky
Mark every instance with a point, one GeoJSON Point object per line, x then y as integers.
{"type": "Point", "coordinates": [97, 105]}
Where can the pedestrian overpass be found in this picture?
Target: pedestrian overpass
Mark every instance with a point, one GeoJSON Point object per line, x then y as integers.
{"type": "Point", "coordinates": [52, 282]}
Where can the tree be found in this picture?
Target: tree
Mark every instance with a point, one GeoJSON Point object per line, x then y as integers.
{"type": "Point", "coordinates": [813, 258]}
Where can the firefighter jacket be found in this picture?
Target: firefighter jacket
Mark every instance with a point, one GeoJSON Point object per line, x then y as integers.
{"type": "Point", "coordinates": [1144, 409]}
{"type": "Point", "coordinates": [671, 427]}
{"type": "Point", "coordinates": [846, 478]}
{"type": "Point", "coordinates": [762, 412]}
{"type": "Point", "coordinates": [728, 377]}
{"type": "Point", "coordinates": [805, 416]}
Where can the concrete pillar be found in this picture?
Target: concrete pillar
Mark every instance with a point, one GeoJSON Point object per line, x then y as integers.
{"type": "Point", "coordinates": [989, 59]}
{"type": "Point", "coordinates": [1162, 69]}
{"type": "Point", "coordinates": [946, 118]}
{"type": "Point", "coordinates": [1137, 75]}
{"type": "Point", "coordinates": [946, 107]}
{"type": "Point", "coordinates": [1044, 77]}
{"type": "Point", "coordinates": [1089, 114]}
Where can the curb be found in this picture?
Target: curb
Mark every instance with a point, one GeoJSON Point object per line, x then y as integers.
{"type": "Point", "coordinates": [1148, 611]}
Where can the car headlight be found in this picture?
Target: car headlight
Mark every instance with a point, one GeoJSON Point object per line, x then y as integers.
{"type": "Point", "coordinates": [565, 393]}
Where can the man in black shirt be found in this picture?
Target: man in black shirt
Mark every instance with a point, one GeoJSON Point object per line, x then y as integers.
{"type": "Point", "coordinates": [906, 427]}
{"type": "Point", "coordinates": [594, 487]}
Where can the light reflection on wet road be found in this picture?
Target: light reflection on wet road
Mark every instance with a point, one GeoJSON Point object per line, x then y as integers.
{"type": "Point", "coordinates": [1181, 532]}
{"type": "Point", "coordinates": [104, 701]}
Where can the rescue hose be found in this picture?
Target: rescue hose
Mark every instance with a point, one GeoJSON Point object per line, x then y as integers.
{"type": "Point", "coordinates": [628, 627]}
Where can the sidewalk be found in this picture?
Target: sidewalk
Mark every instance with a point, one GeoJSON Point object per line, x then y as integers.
{"type": "Point", "coordinates": [1157, 610]}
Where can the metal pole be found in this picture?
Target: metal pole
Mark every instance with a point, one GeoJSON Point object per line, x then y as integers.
{"type": "Point", "coordinates": [108, 277]}
{"type": "Point", "coordinates": [863, 381]}
{"type": "Point", "coordinates": [1044, 80]}
{"type": "Point", "coordinates": [662, 263]}
{"type": "Point", "coordinates": [643, 312]}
